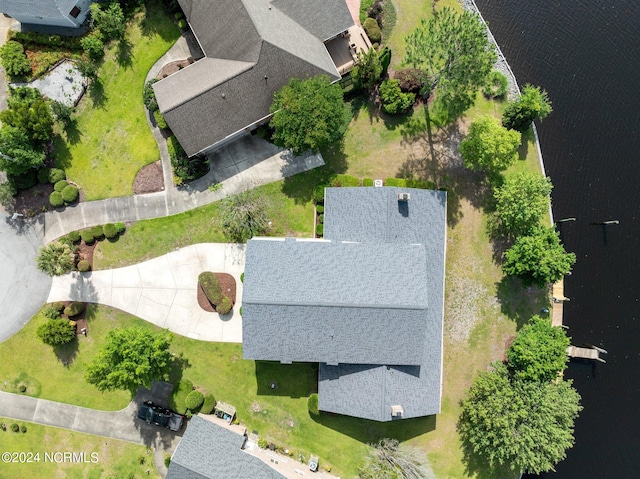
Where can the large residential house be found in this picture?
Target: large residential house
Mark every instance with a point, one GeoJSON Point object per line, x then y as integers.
{"type": "Point", "coordinates": [365, 302]}
{"type": "Point", "coordinates": [251, 49]}
{"type": "Point", "coordinates": [49, 13]}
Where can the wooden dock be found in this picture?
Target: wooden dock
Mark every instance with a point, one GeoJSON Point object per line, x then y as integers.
{"type": "Point", "coordinates": [592, 352]}
{"type": "Point", "coordinates": [557, 306]}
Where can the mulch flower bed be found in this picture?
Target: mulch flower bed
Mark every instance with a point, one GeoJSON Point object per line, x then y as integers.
{"type": "Point", "coordinates": [85, 251]}
{"type": "Point", "coordinates": [80, 319]}
{"type": "Point", "coordinates": [228, 287]}
{"type": "Point", "coordinates": [173, 67]}
{"type": "Point", "coordinates": [34, 200]}
{"type": "Point", "coordinates": [149, 179]}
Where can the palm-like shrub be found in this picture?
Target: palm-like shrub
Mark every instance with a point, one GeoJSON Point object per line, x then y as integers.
{"type": "Point", "coordinates": [55, 259]}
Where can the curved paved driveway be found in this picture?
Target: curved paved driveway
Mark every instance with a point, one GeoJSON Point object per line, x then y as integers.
{"type": "Point", "coordinates": [23, 288]}
{"type": "Point", "coordinates": [162, 290]}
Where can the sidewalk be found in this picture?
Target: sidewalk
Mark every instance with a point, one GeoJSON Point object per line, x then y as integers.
{"type": "Point", "coordinates": [163, 290]}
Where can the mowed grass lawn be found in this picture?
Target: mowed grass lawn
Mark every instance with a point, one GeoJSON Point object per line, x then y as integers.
{"type": "Point", "coordinates": [111, 140]}
{"type": "Point", "coordinates": [112, 458]}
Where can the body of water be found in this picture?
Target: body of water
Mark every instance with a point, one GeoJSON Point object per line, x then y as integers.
{"type": "Point", "coordinates": [586, 54]}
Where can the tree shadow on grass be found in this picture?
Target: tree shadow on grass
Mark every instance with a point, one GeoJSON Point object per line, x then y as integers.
{"type": "Point", "coordinates": [66, 353]}
{"type": "Point", "coordinates": [123, 53]}
{"type": "Point", "coordinates": [519, 303]}
{"type": "Point", "coordinates": [367, 431]}
{"type": "Point", "coordinates": [71, 132]}
{"type": "Point", "coordinates": [97, 93]}
{"type": "Point", "coordinates": [177, 365]}
{"type": "Point", "coordinates": [293, 380]}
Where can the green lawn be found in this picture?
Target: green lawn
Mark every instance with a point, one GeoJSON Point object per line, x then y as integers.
{"type": "Point", "coordinates": [151, 238]}
{"type": "Point", "coordinates": [102, 457]}
{"type": "Point", "coordinates": [111, 140]}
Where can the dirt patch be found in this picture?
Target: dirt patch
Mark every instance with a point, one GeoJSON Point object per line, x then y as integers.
{"type": "Point", "coordinates": [173, 67]}
{"type": "Point", "coordinates": [149, 179]}
{"type": "Point", "coordinates": [34, 200]}
{"type": "Point", "coordinates": [228, 287]}
{"type": "Point", "coordinates": [85, 251]}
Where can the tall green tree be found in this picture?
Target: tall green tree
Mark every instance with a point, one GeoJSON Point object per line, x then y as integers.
{"type": "Point", "coordinates": [525, 425]}
{"type": "Point", "coordinates": [538, 259]}
{"type": "Point", "coordinates": [17, 154]}
{"type": "Point", "coordinates": [307, 114]}
{"type": "Point", "coordinates": [56, 332]}
{"type": "Point", "coordinates": [14, 60]}
{"type": "Point", "coordinates": [521, 201]}
{"type": "Point", "coordinates": [368, 69]}
{"type": "Point", "coordinates": [387, 459]}
{"type": "Point", "coordinates": [489, 147]}
{"type": "Point", "coordinates": [55, 259]}
{"type": "Point", "coordinates": [455, 55]}
{"type": "Point", "coordinates": [533, 104]}
{"type": "Point", "coordinates": [244, 216]}
{"type": "Point", "coordinates": [539, 352]}
{"type": "Point", "coordinates": [29, 112]}
{"type": "Point", "coordinates": [130, 358]}
{"type": "Point", "coordinates": [109, 19]}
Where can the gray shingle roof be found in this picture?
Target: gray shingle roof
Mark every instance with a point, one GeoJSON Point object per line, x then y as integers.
{"type": "Point", "coordinates": [38, 8]}
{"type": "Point", "coordinates": [370, 391]}
{"type": "Point", "coordinates": [279, 39]}
{"type": "Point", "coordinates": [208, 451]}
{"type": "Point", "coordinates": [285, 316]}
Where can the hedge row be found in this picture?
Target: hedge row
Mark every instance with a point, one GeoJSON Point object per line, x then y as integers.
{"type": "Point", "coordinates": [89, 235]}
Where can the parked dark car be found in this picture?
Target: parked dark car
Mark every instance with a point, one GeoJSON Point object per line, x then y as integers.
{"type": "Point", "coordinates": [160, 416]}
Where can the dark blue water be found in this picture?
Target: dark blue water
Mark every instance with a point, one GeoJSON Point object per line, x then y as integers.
{"type": "Point", "coordinates": [586, 54]}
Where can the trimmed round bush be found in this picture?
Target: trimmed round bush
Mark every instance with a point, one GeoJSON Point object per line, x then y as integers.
{"type": "Point", "coordinates": [70, 194]}
{"type": "Point", "coordinates": [367, 182]}
{"type": "Point", "coordinates": [120, 226]}
{"type": "Point", "coordinates": [194, 399]}
{"type": "Point", "coordinates": [320, 209]}
{"type": "Point", "coordinates": [15, 427]}
{"type": "Point", "coordinates": [43, 175]}
{"type": "Point", "coordinates": [98, 231]}
{"type": "Point", "coordinates": [55, 199]}
{"type": "Point", "coordinates": [208, 404]}
{"type": "Point", "coordinates": [321, 219]}
{"type": "Point", "coordinates": [74, 309]}
{"type": "Point", "coordinates": [372, 30]}
{"type": "Point", "coordinates": [160, 121]}
{"type": "Point", "coordinates": [84, 266]}
{"type": "Point", "coordinates": [320, 229]}
{"type": "Point", "coordinates": [24, 181]}
{"type": "Point", "coordinates": [87, 236]}
{"type": "Point", "coordinates": [312, 404]}
{"type": "Point", "coordinates": [23, 428]}
{"type": "Point", "coordinates": [57, 305]}
{"type": "Point", "coordinates": [60, 185]}
{"type": "Point", "coordinates": [56, 174]}
{"type": "Point", "coordinates": [242, 277]}
{"type": "Point", "coordinates": [110, 231]}
{"type": "Point", "coordinates": [224, 306]}
{"type": "Point", "coordinates": [182, 24]}
{"type": "Point", "coordinates": [496, 85]}
{"type": "Point", "coordinates": [74, 236]}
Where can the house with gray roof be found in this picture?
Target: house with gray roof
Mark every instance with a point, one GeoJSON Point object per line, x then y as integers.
{"type": "Point", "coordinates": [251, 49]}
{"type": "Point", "coordinates": [365, 302]}
{"type": "Point", "coordinates": [209, 451]}
{"type": "Point", "coordinates": [56, 13]}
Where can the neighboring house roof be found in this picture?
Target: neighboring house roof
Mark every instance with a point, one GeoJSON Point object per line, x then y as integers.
{"type": "Point", "coordinates": [372, 291]}
{"type": "Point", "coordinates": [334, 302]}
{"type": "Point", "coordinates": [38, 8]}
{"type": "Point", "coordinates": [208, 451]}
{"type": "Point", "coordinates": [252, 48]}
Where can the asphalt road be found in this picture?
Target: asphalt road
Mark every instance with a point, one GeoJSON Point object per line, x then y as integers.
{"type": "Point", "coordinates": [23, 288]}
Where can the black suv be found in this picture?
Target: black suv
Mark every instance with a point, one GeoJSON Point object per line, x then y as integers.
{"type": "Point", "coordinates": [160, 416]}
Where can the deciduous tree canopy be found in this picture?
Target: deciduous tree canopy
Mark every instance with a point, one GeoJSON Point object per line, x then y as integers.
{"type": "Point", "coordinates": [17, 153]}
{"type": "Point", "coordinates": [130, 358]}
{"type": "Point", "coordinates": [533, 104]}
{"type": "Point", "coordinates": [489, 147]}
{"type": "Point", "coordinates": [308, 114]}
{"type": "Point", "coordinates": [454, 53]}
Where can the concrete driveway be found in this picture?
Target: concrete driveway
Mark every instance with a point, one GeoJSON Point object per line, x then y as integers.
{"type": "Point", "coordinates": [163, 290]}
{"type": "Point", "coordinates": [23, 288]}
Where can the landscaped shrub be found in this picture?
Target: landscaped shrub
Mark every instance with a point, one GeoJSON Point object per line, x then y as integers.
{"type": "Point", "coordinates": [14, 60]}
{"type": "Point", "coordinates": [74, 309]}
{"type": "Point", "coordinates": [23, 428]}
{"type": "Point", "coordinates": [209, 283]}
{"type": "Point", "coordinates": [224, 306]}
{"type": "Point", "coordinates": [496, 85]}
{"type": "Point", "coordinates": [56, 174]}
{"type": "Point", "coordinates": [51, 313]}
{"type": "Point", "coordinates": [312, 404]}
{"type": "Point", "coordinates": [110, 231]}
{"type": "Point", "coordinates": [194, 400]}
{"type": "Point", "coordinates": [60, 185]}
{"type": "Point", "coordinates": [320, 209]}
{"type": "Point", "coordinates": [97, 231]}
{"type": "Point", "coordinates": [318, 193]}
{"type": "Point", "coordinates": [345, 180]}
{"type": "Point", "coordinates": [70, 194]}
{"type": "Point", "coordinates": [208, 404]}
{"type": "Point", "coordinates": [24, 181]}
{"type": "Point", "coordinates": [15, 427]}
{"type": "Point", "coordinates": [263, 443]}
{"type": "Point", "coordinates": [367, 182]}
{"type": "Point", "coordinates": [56, 332]}
{"type": "Point", "coordinates": [393, 99]}
{"type": "Point", "coordinates": [74, 236]}
{"type": "Point", "coordinates": [242, 277]}
{"type": "Point", "coordinates": [43, 175]}
{"type": "Point", "coordinates": [120, 226]}
{"type": "Point", "coordinates": [321, 219]}
{"type": "Point", "coordinates": [87, 236]}
{"type": "Point", "coordinates": [93, 46]}
{"type": "Point", "coordinates": [149, 96]}
{"type": "Point", "coordinates": [160, 121]}
{"type": "Point", "coordinates": [57, 305]}
{"type": "Point", "coordinates": [83, 266]}
{"type": "Point", "coordinates": [177, 399]}
{"type": "Point", "coordinates": [33, 39]}
{"type": "Point", "coordinates": [178, 15]}
{"type": "Point", "coordinates": [372, 30]}
{"type": "Point", "coordinates": [320, 230]}
{"type": "Point", "coordinates": [240, 310]}
{"type": "Point", "coordinates": [55, 199]}
{"type": "Point", "coordinates": [182, 24]}
{"type": "Point", "coordinates": [385, 60]}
